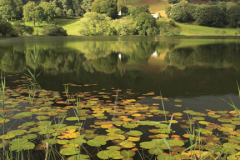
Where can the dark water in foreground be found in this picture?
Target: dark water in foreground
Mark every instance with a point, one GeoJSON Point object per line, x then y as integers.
{"type": "Point", "coordinates": [192, 73]}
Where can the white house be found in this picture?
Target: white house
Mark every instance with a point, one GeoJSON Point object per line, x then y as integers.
{"type": "Point", "coordinates": [119, 13]}
{"type": "Point", "coordinates": [155, 15]}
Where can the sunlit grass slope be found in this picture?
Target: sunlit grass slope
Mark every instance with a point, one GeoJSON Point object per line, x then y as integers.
{"type": "Point", "coordinates": [202, 30]}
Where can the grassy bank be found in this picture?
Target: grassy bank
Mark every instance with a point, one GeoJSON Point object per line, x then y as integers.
{"type": "Point", "coordinates": [195, 30]}
{"type": "Point", "coordinates": [72, 27]}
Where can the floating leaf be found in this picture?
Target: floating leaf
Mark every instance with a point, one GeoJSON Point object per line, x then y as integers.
{"type": "Point", "coordinates": [148, 145]}
{"type": "Point", "coordinates": [106, 154]}
{"type": "Point", "coordinates": [71, 118]}
{"type": "Point", "coordinates": [115, 148]}
{"type": "Point", "coordinates": [127, 153]}
{"type": "Point", "coordinates": [30, 136]}
{"type": "Point", "coordinates": [96, 142]}
{"type": "Point", "coordinates": [134, 133]}
{"type": "Point", "coordinates": [127, 144]}
{"type": "Point", "coordinates": [130, 125]}
{"type": "Point", "coordinates": [69, 151]}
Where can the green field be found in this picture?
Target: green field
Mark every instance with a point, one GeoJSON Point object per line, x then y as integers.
{"type": "Point", "coordinates": [195, 30]}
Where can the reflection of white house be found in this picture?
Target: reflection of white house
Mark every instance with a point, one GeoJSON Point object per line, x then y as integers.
{"type": "Point", "coordinates": [155, 15]}
{"type": "Point", "coordinates": [119, 13]}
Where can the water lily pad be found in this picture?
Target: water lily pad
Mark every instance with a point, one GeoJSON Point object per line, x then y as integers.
{"type": "Point", "coordinates": [71, 118]}
{"type": "Point", "coordinates": [106, 154]}
{"type": "Point", "coordinates": [22, 115]}
{"type": "Point", "coordinates": [42, 117]}
{"type": "Point", "coordinates": [79, 157]}
{"type": "Point", "coordinates": [199, 118]}
{"type": "Point", "coordinates": [115, 148]}
{"type": "Point", "coordinates": [62, 141]}
{"type": "Point", "coordinates": [127, 153]}
{"type": "Point", "coordinates": [23, 146]}
{"type": "Point", "coordinates": [96, 142]}
{"type": "Point", "coordinates": [155, 151]}
{"type": "Point", "coordinates": [29, 124]}
{"type": "Point", "coordinates": [69, 151]}
{"type": "Point", "coordinates": [30, 136]}
{"type": "Point", "coordinates": [134, 133]}
{"type": "Point", "coordinates": [127, 144]}
{"type": "Point", "coordinates": [224, 120]}
{"type": "Point", "coordinates": [175, 142]}
{"type": "Point", "coordinates": [19, 141]}
{"type": "Point", "coordinates": [17, 132]}
{"type": "Point", "coordinates": [148, 145]}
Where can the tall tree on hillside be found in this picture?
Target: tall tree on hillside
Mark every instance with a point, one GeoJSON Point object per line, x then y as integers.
{"type": "Point", "coordinates": [33, 12]}
{"type": "Point", "coordinates": [105, 6]}
{"type": "Point", "coordinates": [48, 11]}
{"type": "Point", "coordinates": [120, 4]}
{"type": "Point", "coordinates": [233, 16]}
{"type": "Point", "coordinates": [7, 9]}
{"type": "Point", "coordinates": [86, 5]}
{"type": "Point", "coordinates": [18, 5]}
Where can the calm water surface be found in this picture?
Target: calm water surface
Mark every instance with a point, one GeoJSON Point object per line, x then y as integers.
{"type": "Point", "coordinates": [198, 70]}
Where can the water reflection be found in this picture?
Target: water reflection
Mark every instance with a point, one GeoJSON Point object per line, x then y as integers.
{"type": "Point", "coordinates": [141, 65]}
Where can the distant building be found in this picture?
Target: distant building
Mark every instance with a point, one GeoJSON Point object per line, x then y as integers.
{"type": "Point", "coordinates": [155, 15]}
{"type": "Point", "coordinates": [119, 13]}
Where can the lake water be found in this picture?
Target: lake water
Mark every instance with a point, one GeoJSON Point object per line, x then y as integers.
{"type": "Point", "coordinates": [190, 73]}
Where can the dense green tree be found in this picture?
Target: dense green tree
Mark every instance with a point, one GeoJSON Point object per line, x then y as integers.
{"type": "Point", "coordinates": [168, 11]}
{"type": "Point", "coordinates": [120, 4]}
{"type": "Point", "coordinates": [233, 16]}
{"type": "Point", "coordinates": [53, 30]}
{"type": "Point", "coordinates": [33, 12]}
{"type": "Point", "coordinates": [48, 11]}
{"type": "Point", "coordinates": [183, 11]}
{"type": "Point", "coordinates": [70, 13]}
{"type": "Point", "coordinates": [21, 28]}
{"type": "Point", "coordinates": [96, 24]}
{"type": "Point", "coordinates": [58, 11]}
{"type": "Point", "coordinates": [86, 5]}
{"type": "Point", "coordinates": [146, 24]}
{"type": "Point", "coordinates": [109, 7]}
{"type": "Point", "coordinates": [7, 9]}
{"type": "Point", "coordinates": [179, 13]}
{"type": "Point", "coordinates": [18, 5]}
{"type": "Point", "coordinates": [135, 11]}
{"type": "Point", "coordinates": [126, 26]}
{"type": "Point", "coordinates": [5, 28]}
{"type": "Point", "coordinates": [209, 16]}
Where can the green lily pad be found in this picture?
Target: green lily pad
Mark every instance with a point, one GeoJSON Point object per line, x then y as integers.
{"type": "Point", "coordinates": [106, 154]}
{"type": "Point", "coordinates": [44, 123]}
{"type": "Point", "coordinates": [127, 144]}
{"type": "Point", "coordinates": [17, 132]}
{"type": "Point", "coordinates": [30, 136]}
{"type": "Point", "coordinates": [71, 118]}
{"type": "Point", "coordinates": [49, 141]}
{"type": "Point", "coordinates": [130, 125]}
{"type": "Point", "coordinates": [236, 122]}
{"type": "Point", "coordinates": [23, 146]}
{"type": "Point", "coordinates": [19, 141]}
{"type": "Point", "coordinates": [16, 95]}
{"type": "Point", "coordinates": [166, 157]}
{"type": "Point", "coordinates": [79, 157]}
{"type": "Point", "coordinates": [62, 141]}
{"type": "Point", "coordinates": [29, 124]}
{"type": "Point", "coordinates": [22, 115]}
{"type": "Point", "coordinates": [35, 129]}
{"type": "Point", "coordinates": [155, 151]}
{"type": "Point", "coordinates": [69, 151]}
{"type": "Point", "coordinates": [96, 142]}
{"type": "Point", "coordinates": [115, 148]}
{"type": "Point", "coordinates": [224, 120]}
{"type": "Point", "coordinates": [127, 153]}
{"type": "Point", "coordinates": [148, 145]}
{"type": "Point", "coordinates": [42, 117]}
{"type": "Point", "coordinates": [175, 142]}
{"type": "Point", "coordinates": [214, 115]}
{"type": "Point", "coordinates": [199, 118]}
{"type": "Point", "coordinates": [134, 133]}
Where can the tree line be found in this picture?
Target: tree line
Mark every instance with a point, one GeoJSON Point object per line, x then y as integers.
{"type": "Point", "coordinates": [215, 14]}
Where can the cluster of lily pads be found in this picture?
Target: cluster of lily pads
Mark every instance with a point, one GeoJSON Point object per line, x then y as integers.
{"type": "Point", "coordinates": [121, 129]}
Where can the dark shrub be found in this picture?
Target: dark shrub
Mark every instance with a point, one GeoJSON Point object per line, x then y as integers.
{"type": "Point", "coordinates": [53, 30]}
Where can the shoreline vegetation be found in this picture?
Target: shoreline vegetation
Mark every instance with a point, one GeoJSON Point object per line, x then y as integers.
{"type": "Point", "coordinates": [119, 18]}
